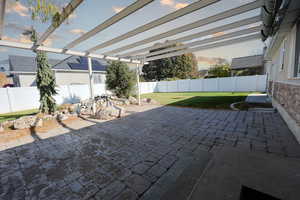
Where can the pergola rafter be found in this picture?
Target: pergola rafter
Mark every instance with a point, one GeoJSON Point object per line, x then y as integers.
{"type": "Point", "coordinates": [167, 18]}
{"type": "Point", "coordinates": [196, 35]}
{"type": "Point", "coordinates": [64, 15]}
{"type": "Point", "coordinates": [119, 16]}
{"type": "Point", "coordinates": [205, 41]}
{"type": "Point", "coordinates": [205, 47]}
{"type": "Point", "coordinates": [188, 27]}
{"type": "Point", "coordinates": [2, 15]}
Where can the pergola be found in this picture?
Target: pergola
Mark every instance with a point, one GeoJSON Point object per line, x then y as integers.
{"type": "Point", "coordinates": [142, 55]}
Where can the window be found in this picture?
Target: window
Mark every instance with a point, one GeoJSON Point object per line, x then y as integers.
{"type": "Point", "coordinates": [297, 56]}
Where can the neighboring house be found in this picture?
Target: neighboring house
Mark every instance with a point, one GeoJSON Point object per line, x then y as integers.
{"type": "Point", "coordinates": [70, 71]}
{"type": "Point", "coordinates": [282, 63]}
{"type": "Point", "coordinates": [249, 65]}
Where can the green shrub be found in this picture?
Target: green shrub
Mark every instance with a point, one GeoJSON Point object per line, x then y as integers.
{"type": "Point", "coordinates": [120, 79]}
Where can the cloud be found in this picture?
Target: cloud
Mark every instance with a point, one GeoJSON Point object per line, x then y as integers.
{"type": "Point", "coordinates": [180, 5]}
{"type": "Point", "coordinates": [26, 39]}
{"type": "Point", "coordinates": [22, 38]}
{"type": "Point", "coordinates": [17, 7]}
{"type": "Point", "coordinates": [117, 9]}
{"type": "Point", "coordinates": [72, 16]}
{"type": "Point", "coordinates": [77, 31]}
{"type": "Point", "coordinates": [167, 2]}
{"type": "Point", "coordinates": [173, 4]}
{"type": "Point", "coordinates": [3, 49]}
{"type": "Point", "coordinates": [16, 27]}
{"type": "Point", "coordinates": [218, 34]}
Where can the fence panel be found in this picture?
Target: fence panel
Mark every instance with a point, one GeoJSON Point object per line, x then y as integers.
{"type": "Point", "coordinates": [227, 84]}
{"type": "Point", "coordinates": [23, 98]}
{"type": "Point", "coordinates": [4, 101]}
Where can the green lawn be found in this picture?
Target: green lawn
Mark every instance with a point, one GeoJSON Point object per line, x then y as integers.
{"type": "Point", "coordinates": [208, 100]}
{"type": "Point", "coordinates": [15, 115]}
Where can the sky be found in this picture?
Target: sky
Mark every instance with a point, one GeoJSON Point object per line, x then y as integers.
{"type": "Point", "coordinates": [93, 12]}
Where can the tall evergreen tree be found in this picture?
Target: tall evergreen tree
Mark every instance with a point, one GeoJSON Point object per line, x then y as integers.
{"type": "Point", "coordinates": [45, 80]}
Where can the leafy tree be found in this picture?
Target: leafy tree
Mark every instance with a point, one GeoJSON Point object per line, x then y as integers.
{"type": "Point", "coordinates": [220, 71]}
{"type": "Point", "coordinates": [183, 66]}
{"type": "Point", "coordinates": [120, 79]}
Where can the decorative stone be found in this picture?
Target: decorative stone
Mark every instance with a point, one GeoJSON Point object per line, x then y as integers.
{"type": "Point", "coordinates": [1, 128]}
{"type": "Point", "coordinates": [25, 122]}
{"type": "Point", "coordinates": [133, 100]}
{"type": "Point", "coordinates": [151, 101]}
{"type": "Point", "coordinates": [109, 112]}
{"type": "Point", "coordinates": [62, 117]}
{"type": "Point", "coordinates": [38, 123]}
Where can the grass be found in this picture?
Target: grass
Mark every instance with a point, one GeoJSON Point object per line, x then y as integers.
{"type": "Point", "coordinates": [206, 100]}
{"type": "Point", "coordinates": [16, 115]}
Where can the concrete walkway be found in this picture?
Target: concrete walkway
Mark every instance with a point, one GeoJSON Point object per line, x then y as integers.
{"type": "Point", "coordinates": [257, 98]}
{"type": "Point", "coordinates": [140, 156]}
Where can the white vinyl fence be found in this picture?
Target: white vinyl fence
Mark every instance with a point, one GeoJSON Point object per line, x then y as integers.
{"type": "Point", "coordinates": [255, 83]}
{"type": "Point", "coordinates": [24, 98]}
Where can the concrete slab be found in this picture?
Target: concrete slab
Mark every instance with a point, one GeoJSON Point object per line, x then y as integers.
{"type": "Point", "coordinates": [232, 168]}
{"type": "Point", "coordinates": [257, 98]}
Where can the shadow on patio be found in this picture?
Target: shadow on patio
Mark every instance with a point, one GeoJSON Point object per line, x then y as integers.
{"type": "Point", "coordinates": [139, 156]}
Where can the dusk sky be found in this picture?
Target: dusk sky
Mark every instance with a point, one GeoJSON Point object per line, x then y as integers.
{"type": "Point", "coordinates": [92, 12]}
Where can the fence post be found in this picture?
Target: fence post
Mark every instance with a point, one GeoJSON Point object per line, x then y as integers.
{"type": "Point", "coordinates": [218, 87]}
{"type": "Point", "coordinates": [177, 83]}
{"type": "Point", "coordinates": [256, 83]}
{"type": "Point", "coordinates": [190, 85]}
{"type": "Point", "coordinates": [235, 80]}
{"type": "Point", "coordinates": [9, 100]}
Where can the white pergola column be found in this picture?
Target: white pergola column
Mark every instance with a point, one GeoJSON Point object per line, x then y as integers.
{"type": "Point", "coordinates": [138, 83]}
{"type": "Point", "coordinates": [91, 83]}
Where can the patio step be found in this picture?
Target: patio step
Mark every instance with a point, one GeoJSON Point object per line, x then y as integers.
{"type": "Point", "coordinates": [187, 180]}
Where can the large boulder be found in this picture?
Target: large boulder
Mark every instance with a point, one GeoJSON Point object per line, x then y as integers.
{"type": "Point", "coordinates": [1, 128]}
{"type": "Point", "coordinates": [109, 112]}
{"type": "Point", "coordinates": [133, 100]}
{"type": "Point", "coordinates": [25, 122]}
{"type": "Point", "coordinates": [62, 116]}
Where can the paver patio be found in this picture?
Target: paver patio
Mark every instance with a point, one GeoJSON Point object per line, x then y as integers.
{"type": "Point", "coordinates": [136, 157]}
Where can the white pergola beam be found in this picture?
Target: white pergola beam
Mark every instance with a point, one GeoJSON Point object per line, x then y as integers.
{"type": "Point", "coordinates": [64, 15]}
{"type": "Point", "coordinates": [172, 16]}
{"type": "Point", "coordinates": [206, 41]}
{"type": "Point", "coordinates": [114, 19]}
{"type": "Point", "coordinates": [2, 16]}
{"type": "Point", "coordinates": [205, 47]}
{"type": "Point", "coordinates": [30, 46]}
{"type": "Point", "coordinates": [201, 22]}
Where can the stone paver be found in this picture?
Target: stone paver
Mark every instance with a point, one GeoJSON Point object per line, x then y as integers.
{"type": "Point", "coordinates": [135, 157]}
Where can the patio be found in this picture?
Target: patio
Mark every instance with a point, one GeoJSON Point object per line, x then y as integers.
{"type": "Point", "coordinates": [139, 156]}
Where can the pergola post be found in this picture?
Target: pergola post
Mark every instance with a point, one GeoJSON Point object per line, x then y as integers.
{"type": "Point", "coordinates": [91, 83]}
{"type": "Point", "coordinates": [138, 83]}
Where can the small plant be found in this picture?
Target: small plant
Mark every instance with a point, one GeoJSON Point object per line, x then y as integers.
{"type": "Point", "coordinates": [120, 79]}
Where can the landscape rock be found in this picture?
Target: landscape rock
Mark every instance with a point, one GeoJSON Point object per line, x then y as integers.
{"type": "Point", "coordinates": [1, 128]}
{"type": "Point", "coordinates": [25, 122]}
{"type": "Point", "coordinates": [62, 117]}
{"type": "Point", "coordinates": [38, 123]}
{"type": "Point", "coordinates": [151, 101]}
{"type": "Point", "coordinates": [133, 100]}
{"type": "Point", "coordinates": [109, 112]}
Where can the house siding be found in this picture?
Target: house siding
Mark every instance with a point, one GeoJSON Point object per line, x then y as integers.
{"type": "Point", "coordinates": [283, 87]}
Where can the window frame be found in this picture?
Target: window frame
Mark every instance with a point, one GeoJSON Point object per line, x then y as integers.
{"type": "Point", "coordinates": [297, 52]}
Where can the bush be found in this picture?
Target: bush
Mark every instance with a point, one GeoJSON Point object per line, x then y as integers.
{"type": "Point", "coordinates": [120, 79]}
